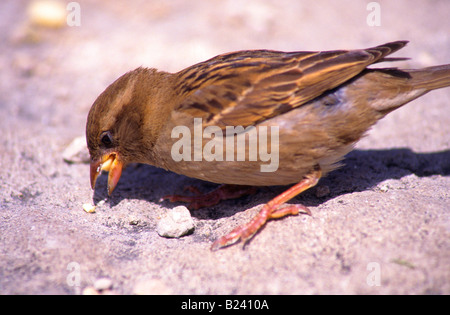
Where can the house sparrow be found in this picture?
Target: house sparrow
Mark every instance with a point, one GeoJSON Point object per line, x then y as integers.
{"type": "Point", "coordinates": [311, 106]}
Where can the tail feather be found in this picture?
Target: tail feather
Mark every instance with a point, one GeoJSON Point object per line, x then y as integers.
{"type": "Point", "coordinates": [430, 78]}
{"type": "Point", "coordinates": [390, 88]}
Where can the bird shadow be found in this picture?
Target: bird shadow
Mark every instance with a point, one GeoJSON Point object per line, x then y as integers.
{"type": "Point", "coordinates": [363, 169]}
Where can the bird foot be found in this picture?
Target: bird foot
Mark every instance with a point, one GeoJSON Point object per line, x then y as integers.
{"type": "Point", "coordinates": [272, 210]}
{"type": "Point", "coordinates": [245, 232]}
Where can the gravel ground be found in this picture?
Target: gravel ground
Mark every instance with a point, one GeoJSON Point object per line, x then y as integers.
{"type": "Point", "coordinates": [380, 224]}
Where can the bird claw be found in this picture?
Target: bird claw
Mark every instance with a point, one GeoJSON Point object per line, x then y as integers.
{"type": "Point", "coordinates": [245, 232]}
{"type": "Point", "coordinates": [271, 210]}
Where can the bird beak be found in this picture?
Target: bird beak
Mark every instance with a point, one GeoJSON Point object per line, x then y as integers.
{"type": "Point", "coordinates": [111, 163]}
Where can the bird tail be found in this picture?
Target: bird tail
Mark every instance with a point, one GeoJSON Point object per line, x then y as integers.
{"type": "Point", "coordinates": [430, 78]}
{"type": "Point", "coordinates": [406, 85]}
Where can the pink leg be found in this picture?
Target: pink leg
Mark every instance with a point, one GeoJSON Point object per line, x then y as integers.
{"type": "Point", "coordinates": [271, 210]}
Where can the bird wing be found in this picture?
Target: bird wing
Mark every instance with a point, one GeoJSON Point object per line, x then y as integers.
{"type": "Point", "coordinates": [248, 87]}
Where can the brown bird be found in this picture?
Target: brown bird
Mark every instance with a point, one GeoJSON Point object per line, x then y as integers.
{"type": "Point", "coordinates": [250, 118]}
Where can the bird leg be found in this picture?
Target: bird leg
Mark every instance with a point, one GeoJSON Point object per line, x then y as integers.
{"type": "Point", "coordinates": [212, 198]}
{"type": "Point", "coordinates": [271, 210]}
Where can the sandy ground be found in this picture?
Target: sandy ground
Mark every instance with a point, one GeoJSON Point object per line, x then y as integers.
{"type": "Point", "coordinates": [382, 229]}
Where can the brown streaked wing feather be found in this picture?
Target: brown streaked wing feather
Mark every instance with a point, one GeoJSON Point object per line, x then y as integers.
{"type": "Point", "coordinates": [245, 88]}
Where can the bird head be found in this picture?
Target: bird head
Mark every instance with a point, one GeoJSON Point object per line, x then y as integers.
{"type": "Point", "coordinates": [115, 126]}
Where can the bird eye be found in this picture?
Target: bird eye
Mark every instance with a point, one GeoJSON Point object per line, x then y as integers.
{"type": "Point", "coordinates": [106, 138]}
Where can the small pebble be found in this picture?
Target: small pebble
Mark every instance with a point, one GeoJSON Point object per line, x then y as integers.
{"type": "Point", "coordinates": [76, 151]}
{"type": "Point", "coordinates": [176, 223]}
{"type": "Point", "coordinates": [101, 203]}
{"type": "Point", "coordinates": [90, 291]}
{"type": "Point", "coordinates": [103, 284]}
{"type": "Point", "coordinates": [47, 13]}
{"type": "Point", "coordinates": [89, 208]}
{"type": "Point", "coordinates": [132, 220]}
{"type": "Point", "coordinates": [383, 188]}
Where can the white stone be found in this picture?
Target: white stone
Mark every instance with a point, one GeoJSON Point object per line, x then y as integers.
{"type": "Point", "coordinates": [76, 151]}
{"type": "Point", "coordinates": [103, 284]}
{"type": "Point", "coordinates": [176, 223]}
